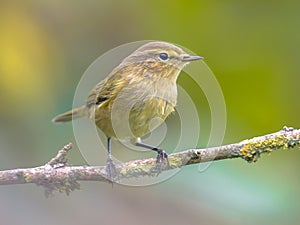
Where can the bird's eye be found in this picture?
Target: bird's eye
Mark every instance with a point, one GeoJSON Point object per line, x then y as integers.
{"type": "Point", "coordinates": [163, 56]}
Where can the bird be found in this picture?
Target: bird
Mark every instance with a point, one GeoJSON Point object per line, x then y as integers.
{"type": "Point", "coordinates": [140, 91]}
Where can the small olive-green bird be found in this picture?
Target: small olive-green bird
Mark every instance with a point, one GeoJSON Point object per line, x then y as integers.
{"type": "Point", "coordinates": [141, 91]}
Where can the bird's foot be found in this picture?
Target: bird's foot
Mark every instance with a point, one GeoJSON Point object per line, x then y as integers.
{"type": "Point", "coordinates": [111, 170]}
{"type": "Point", "coordinates": [160, 160]}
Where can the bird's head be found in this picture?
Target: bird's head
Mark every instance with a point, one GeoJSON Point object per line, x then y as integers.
{"type": "Point", "coordinates": [160, 59]}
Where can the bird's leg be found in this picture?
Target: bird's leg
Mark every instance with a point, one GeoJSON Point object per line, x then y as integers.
{"type": "Point", "coordinates": [161, 154]}
{"type": "Point", "coordinates": [110, 166]}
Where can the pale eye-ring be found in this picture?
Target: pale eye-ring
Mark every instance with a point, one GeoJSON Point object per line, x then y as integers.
{"type": "Point", "coordinates": [163, 56]}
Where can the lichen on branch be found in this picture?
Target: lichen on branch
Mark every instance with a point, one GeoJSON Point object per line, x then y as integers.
{"type": "Point", "coordinates": [56, 175]}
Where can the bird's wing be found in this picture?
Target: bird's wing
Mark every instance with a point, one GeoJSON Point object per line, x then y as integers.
{"type": "Point", "coordinates": [98, 94]}
{"type": "Point", "coordinates": [108, 88]}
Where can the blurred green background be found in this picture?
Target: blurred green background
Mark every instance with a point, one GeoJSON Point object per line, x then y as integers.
{"type": "Point", "coordinates": [253, 48]}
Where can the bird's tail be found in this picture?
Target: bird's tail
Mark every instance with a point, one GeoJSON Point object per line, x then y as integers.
{"type": "Point", "coordinates": [71, 115]}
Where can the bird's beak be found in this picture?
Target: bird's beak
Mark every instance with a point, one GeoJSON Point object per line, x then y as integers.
{"type": "Point", "coordinates": [188, 58]}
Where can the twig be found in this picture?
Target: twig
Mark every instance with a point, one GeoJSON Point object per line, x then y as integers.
{"type": "Point", "coordinates": [60, 159]}
{"type": "Point", "coordinates": [56, 175]}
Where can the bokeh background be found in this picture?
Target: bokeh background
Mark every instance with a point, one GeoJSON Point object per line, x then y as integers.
{"type": "Point", "coordinates": [253, 48]}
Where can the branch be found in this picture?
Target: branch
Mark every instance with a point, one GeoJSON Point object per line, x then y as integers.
{"type": "Point", "coordinates": [56, 175]}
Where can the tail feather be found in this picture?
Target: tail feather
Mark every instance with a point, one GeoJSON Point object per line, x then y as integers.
{"type": "Point", "coordinates": [71, 115]}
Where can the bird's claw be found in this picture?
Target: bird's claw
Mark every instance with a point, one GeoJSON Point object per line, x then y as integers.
{"type": "Point", "coordinates": [160, 160]}
{"type": "Point", "coordinates": [111, 170]}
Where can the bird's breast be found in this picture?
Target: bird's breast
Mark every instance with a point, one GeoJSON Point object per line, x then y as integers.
{"type": "Point", "coordinates": [138, 106]}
